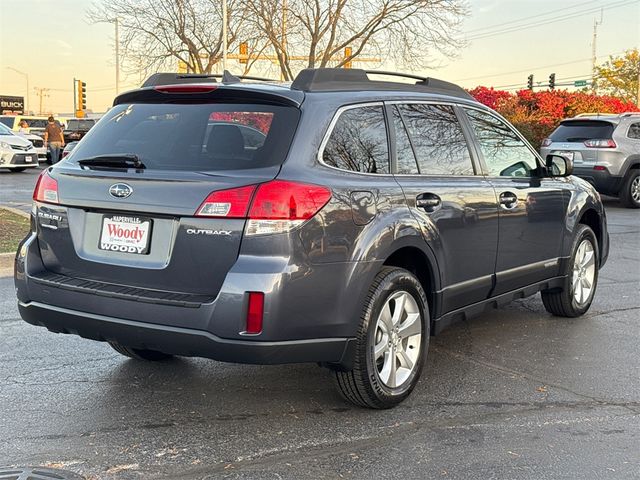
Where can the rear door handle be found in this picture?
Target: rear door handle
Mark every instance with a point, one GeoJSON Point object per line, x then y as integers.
{"type": "Point", "coordinates": [508, 200]}
{"type": "Point", "coordinates": [429, 202]}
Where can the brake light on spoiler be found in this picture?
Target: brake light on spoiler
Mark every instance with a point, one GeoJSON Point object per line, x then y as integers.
{"type": "Point", "coordinates": [277, 206]}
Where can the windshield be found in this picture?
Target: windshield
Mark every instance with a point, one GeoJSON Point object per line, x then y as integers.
{"type": "Point", "coordinates": [581, 130]}
{"type": "Point", "coordinates": [4, 130]}
{"type": "Point", "coordinates": [198, 137]}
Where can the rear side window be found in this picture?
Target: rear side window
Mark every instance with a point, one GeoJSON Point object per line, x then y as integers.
{"type": "Point", "coordinates": [80, 124]}
{"type": "Point", "coordinates": [581, 130]}
{"type": "Point", "coordinates": [358, 141]}
{"type": "Point", "coordinates": [436, 135]}
{"type": "Point", "coordinates": [199, 137]}
{"type": "Point", "coordinates": [634, 130]}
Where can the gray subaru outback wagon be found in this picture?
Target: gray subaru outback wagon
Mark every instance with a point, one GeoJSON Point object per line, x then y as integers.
{"type": "Point", "coordinates": [340, 220]}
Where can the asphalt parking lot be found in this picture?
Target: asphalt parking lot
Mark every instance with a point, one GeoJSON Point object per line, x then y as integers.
{"type": "Point", "coordinates": [514, 393]}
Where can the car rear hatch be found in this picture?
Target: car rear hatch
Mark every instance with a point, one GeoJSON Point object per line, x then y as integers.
{"type": "Point", "coordinates": [141, 206]}
{"type": "Point", "coordinates": [582, 139]}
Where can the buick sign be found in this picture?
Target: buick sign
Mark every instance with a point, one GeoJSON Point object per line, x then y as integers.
{"type": "Point", "coordinates": [120, 190]}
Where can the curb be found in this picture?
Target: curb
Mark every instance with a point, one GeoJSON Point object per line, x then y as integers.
{"type": "Point", "coordinates": [16, 211]}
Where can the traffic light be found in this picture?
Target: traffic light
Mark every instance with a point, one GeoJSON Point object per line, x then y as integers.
{"type": "Point", "coordinates": [81, 102]}
{"type": "Point", "coordinates": [530, 82]}
{"type": "Point", "coordinates": [347, 53]}
{"type": "Point", "coordinates": [244, 53]}
{"type": "Point", "coordinates": [552, 81]}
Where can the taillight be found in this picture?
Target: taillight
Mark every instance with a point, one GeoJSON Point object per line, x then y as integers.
{"type": "Point", "coordinates": [185, 88]}
{"type": "Point", "coordinates": [546, 142]}
{"type": "Point", "coordinates": [255, 313]}
{"type": "Point", "coordinates": [600, 143]}
{"type": "Point", "coordinates": [46, 189]}
{"type": "Point", "coordinates": [277, 206]}
{"type": "Point", "coordinates": [232, 203]}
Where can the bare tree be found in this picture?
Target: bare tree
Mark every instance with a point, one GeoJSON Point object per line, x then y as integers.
{"type": "Point", "coordinates": [156, 34]}
{"type": "Point", "coordinates": [315, 33]}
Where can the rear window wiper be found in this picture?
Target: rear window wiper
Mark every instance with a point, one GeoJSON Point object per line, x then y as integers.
{"type": "Point", "coordinates": [128, 160]}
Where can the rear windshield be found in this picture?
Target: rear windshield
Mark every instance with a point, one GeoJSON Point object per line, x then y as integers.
{"type": "Point", "coordinates": [8, 121]}
{"type": "Point", "coordinates": [581, 130]}
{"type": "Point", "coordinates": [80, 124]}
{"type": "Point", "coordinates": [197, 137]}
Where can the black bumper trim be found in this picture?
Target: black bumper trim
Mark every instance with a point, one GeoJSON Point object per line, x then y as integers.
{"type": "Point", "coordinates": [183, 341]}
{"type": "Point", "coordinates": [602, 180]}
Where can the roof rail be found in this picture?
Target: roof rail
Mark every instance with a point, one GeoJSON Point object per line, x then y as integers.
{"type": "Point", "coordinates": [180, 78]}
{"type": "Point", "coordinates": [336, 79]}
{"type": "Point", "coordinates": [595, 114]}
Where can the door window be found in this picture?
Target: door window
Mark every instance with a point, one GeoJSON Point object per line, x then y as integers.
{"type": "Point", "coordinates": [438, 140]}
{"type": "Point", "coordinates": [505, 154]}
{"type": "Point", "coordinates": [404, 151]}
{"type": "Point", "coordinates": [358, 141]}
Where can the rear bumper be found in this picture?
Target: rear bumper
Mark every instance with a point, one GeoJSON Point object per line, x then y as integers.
{"type": "Point", "coordinates": [183, 341]}
{"type": "Point", "coordinates": [602, 180]}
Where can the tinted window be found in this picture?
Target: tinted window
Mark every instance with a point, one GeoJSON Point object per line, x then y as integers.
{"type": "Point", "coordinates": [404, 152]}
{"type": "Point", "coordinates": [358, 141]}
{"type": "Point", "coordinates": [581, 130]}
{"type": "Point", "coordinates": [504, 152]}
{"type": "Point", "coordinates": [437, 137]}
{"type": "Point", "coordinates": [634, 130]}
{"type": "Point", "coordinates": [36, 122]}
{"type": "Point", "coordinates": [8, 121]}
{"type": "Point", "coordinates": [193, 137]}
{"type": "Point", "coordinates": [80, 124]}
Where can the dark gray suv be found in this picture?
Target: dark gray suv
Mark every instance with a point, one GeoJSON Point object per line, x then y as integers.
{"type": "Point", "coordinates": [339, 220]}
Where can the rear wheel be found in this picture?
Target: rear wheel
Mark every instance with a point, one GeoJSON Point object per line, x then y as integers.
{"type": "Point", "coordinates": [140, 354]}
{"type": "Point", "coordinates": [581, 278]}
{"type": "Point", "coordinates": [630, 193]}
{"type": "Point", "coordinates": [391, 343]}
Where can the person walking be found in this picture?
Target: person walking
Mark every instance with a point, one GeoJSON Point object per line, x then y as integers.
{"type": "Point", "coordinates": [54, 138]}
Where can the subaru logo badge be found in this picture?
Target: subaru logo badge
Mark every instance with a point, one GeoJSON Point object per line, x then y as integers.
{"type": "Point", "coordinates": [120, 190]}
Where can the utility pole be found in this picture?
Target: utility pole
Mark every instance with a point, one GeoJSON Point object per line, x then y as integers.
{"type": "Point", "coordinates": [638, 99]}
{"type": "Point", "coordinates": [41, 92]}
{"type": "Point", "coordinates": [593, 51]}
{"type": "Point", "coordinates": [284, 36]}
{"type": "Point", "coordinates": [224, 35]}
{"type": "Point", "coordinates": [117, 58]}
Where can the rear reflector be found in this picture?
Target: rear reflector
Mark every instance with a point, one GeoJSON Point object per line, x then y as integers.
{"type": "Point", "coordinates": [277, 206]}
{"type": "Point", "coordinates": [185, 88]}
{"type": "Point", "coordinates": [600, 143]}
{"type": "Point", "coordinates": [46, 189]}
{"type": "Point", "coordinates": [600, 168]}
{"type": "Point", "coordinates": [255, 313]}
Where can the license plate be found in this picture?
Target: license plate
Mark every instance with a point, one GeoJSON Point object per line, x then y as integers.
{"type": "Point", "coordinates": [28, 159]}
{"type": "Point", "coordinates": [562, 153]}
{"type": "Point", "coordinates": [125, 234]}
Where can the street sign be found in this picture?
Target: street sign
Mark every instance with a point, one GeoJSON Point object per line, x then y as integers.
{"type": "Point", "coordinates": [580, 83]}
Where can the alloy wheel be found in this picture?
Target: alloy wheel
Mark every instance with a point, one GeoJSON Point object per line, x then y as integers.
{"type": "Point", "coordinates": [584, 272]}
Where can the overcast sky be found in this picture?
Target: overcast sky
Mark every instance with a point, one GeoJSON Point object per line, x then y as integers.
{"type": "Point", "coordinates": [52, 42]}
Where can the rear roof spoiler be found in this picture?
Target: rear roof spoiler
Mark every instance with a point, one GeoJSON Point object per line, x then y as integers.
{"type": "Point", "coordinates": [180, 78]}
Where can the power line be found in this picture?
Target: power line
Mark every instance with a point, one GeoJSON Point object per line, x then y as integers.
{"type": "Point", "coordinates": [525, 19]}
{"type": "Point", "coordinates": [549, 21]}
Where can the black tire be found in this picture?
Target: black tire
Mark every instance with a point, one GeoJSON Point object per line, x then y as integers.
{"type": "Point", "coordinates": [562, 302]}
{"type": "Point", "coordinates": [363, 384]}
{"type": "Point", "coordinates": [140, 354]}
{"type": "Point", "coordinates": [16, 170]}
{"type": "Point", "coordinates": [630, 192]}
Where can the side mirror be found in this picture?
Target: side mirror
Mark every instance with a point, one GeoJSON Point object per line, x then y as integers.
{"type": "Point", "coordinates": [559, 165]}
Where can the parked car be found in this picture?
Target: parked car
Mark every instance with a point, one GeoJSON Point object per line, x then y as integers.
{"type": "Point", "coordinates": [373, 215]}
{"type": "Point", "coordinates": [605, 150]}
{"type": "Point", "coordinates": [16, 152]}
{"type": "Point", "coordinates": [67, 148]}
{"type": "Point", "coordinates": [38, 144]}
{"type": "Point", "coordinates": [77, 128]}
{"type": "Point", "coordinates": [37, 124]}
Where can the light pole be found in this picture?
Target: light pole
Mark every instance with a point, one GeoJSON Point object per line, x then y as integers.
{"type": "Point", "coordinates": [117, 58]}
{"type": "Point", "coordinates": [26, 99]}
{"type": "Point", "coordinates": [224, 35]}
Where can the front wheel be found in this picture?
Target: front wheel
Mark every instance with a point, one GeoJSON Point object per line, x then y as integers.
{"type": "Point", "coordinates": [391, 344]}
{"type": "Point", "coordinates": [576, 295]}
